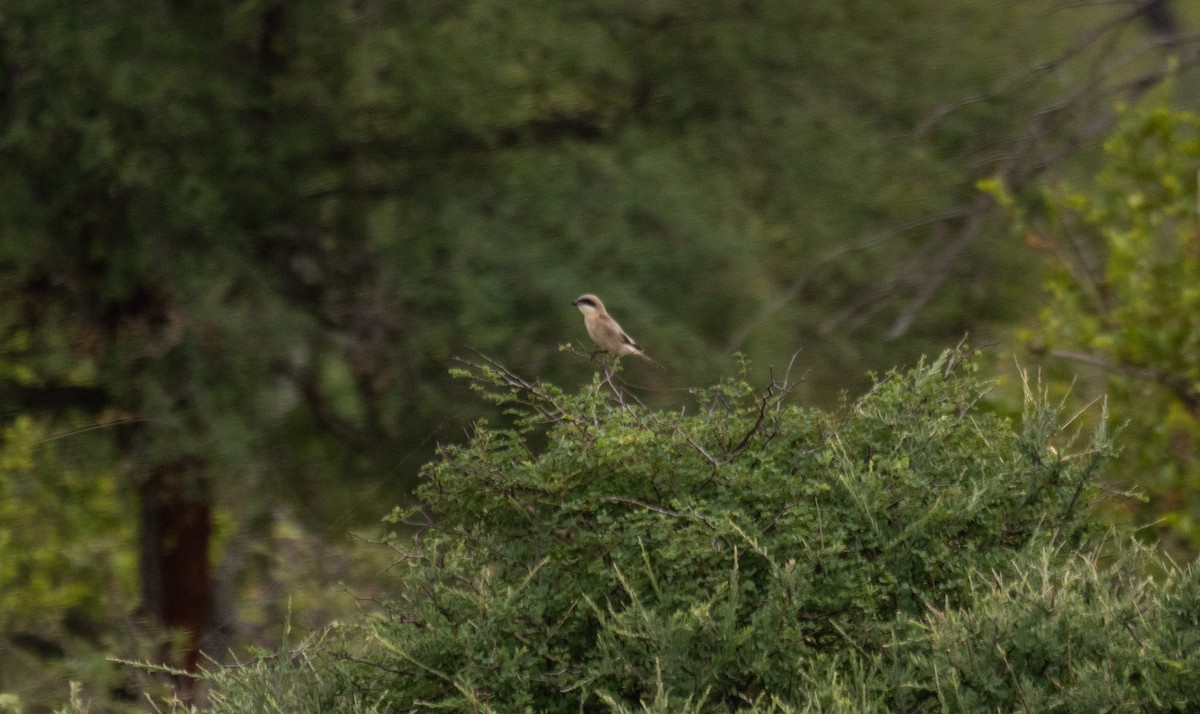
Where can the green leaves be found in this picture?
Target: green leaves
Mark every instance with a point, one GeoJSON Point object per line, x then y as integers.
{"type": "Point", "coordinates": [1125, 297]}
{"type": "Point", "coordinates": [65, 543]}
{"type": "Point", "coordinates": [67, 564]}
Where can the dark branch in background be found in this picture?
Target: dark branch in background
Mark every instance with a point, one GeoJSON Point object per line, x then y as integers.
{"type": "Point", "coordinates": [798, 284]}
{"type": "Point", "coordinates": [942, 265]}
{"type": "Point", "coordinates": [322, 412]}
{"type": "Point", "coordinates": [1040, 148]}
{"type": "Point", "coordinates": [1033, 158]}
{"type": "Point", "coordinates": [439, 144]}
{"type": "Point", "coordinates": [53, 398]}
{"type": "Point", "coordinates": [1160, 18]}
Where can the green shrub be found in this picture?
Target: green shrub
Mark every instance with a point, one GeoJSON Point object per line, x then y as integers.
{"type": "Point", "coordinates": [910, 552]}
{"type": "Point", "coordinates": [68, 570]}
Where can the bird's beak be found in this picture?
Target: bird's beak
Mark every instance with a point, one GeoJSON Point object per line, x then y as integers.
{"type": "Point", "coordinates": [575, 303]}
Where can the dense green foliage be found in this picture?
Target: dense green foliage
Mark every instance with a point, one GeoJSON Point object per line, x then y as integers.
{"type": "Point", "coordinates": [66, 564]}
{"type": "Point", "coordinates": [907, 552]}
{"type": "Point", "coordinates": [281, 233]}
{"type": "Point", "coordinates": [1125, 299]}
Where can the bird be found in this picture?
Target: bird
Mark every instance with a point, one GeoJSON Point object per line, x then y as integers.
{"type": "Point", "coordinates": [605, 331]}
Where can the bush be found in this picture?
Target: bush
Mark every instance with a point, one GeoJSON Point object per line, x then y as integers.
{"type": "Point", "coordinates": [910, 552]}
{"type": "Point", "coordinates": [68, 570]}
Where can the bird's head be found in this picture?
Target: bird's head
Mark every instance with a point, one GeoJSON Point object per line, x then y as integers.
{"type": "Point", "coordinates": [588, 304]}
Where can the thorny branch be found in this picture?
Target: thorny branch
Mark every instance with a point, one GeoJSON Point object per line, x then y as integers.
{"type": "Point", "coordinates": [772, 399]}
{"type": "Point", "coordinates": [609, 366]}
{"type": "Point", "coordinates": [544, 403]}
{"type": "Point", "coordinates": [659, 509]}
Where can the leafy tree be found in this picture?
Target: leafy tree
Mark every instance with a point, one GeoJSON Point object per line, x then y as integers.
{"type": "Point", "coordinates": [1124, 302]}
{"type": "Point", "coordinates": [908, 552]}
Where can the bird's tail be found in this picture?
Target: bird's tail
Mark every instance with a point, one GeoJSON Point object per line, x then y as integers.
{"type": "Point", "coordinates": [644, 356]}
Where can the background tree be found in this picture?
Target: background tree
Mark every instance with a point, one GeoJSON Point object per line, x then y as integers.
{"type": "Point", "coordinates": [1125, 306]}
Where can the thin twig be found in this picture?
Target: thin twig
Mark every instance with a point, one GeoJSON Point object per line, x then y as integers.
{"type": "Point", "coordinates": [659, 509]}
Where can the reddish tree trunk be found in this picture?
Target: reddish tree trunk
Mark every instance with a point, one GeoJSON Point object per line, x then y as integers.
{"type": "Point", "coordinates": [176, 579]}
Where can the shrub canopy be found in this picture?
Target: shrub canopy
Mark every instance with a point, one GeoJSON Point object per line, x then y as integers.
{"type": "Point", "coordinates": [909, 552]}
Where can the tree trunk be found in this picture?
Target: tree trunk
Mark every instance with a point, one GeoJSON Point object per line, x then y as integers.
{"type": "Point", "coordinates": [176, 524]}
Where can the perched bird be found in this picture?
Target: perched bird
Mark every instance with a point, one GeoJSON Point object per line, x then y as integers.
{"type": "Point", "coordinates": [605, 331]}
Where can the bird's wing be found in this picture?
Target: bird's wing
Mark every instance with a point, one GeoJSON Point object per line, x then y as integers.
{"type": "Point", "coordinates": [628, 340]}
{"type": "Point", "coordinates": [612, 325]}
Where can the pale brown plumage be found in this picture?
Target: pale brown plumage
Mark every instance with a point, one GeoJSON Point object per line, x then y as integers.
{"type": "Point", "coordinates": [605, 331]}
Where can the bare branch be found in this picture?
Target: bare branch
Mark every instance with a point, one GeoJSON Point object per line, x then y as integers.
{"type": "Point", "coordinates": [797, 285]}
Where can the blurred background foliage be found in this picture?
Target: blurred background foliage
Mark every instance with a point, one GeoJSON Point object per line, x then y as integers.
{"type": "Point", "coordinates": [1123, 309]}
{"type": "Point", "coordinates": [245, 240]}
{"type": "Point", "coordinates": [67, 559]}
